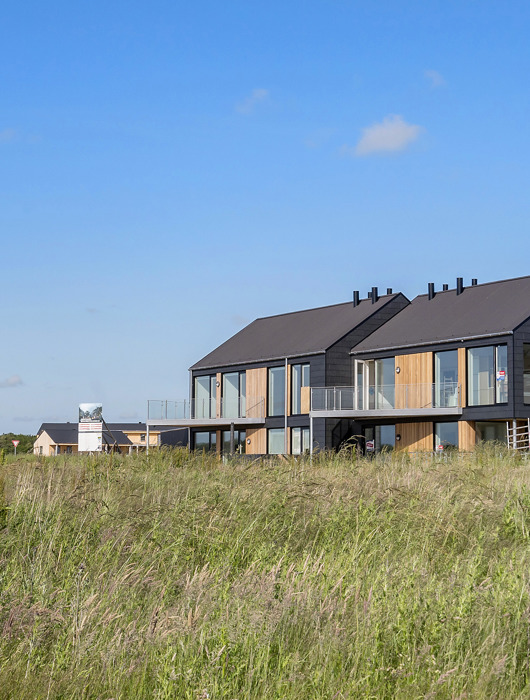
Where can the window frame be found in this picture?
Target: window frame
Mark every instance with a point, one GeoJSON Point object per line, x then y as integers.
{"type": "Point", "coordinates": [494, 389]}
{"type": "Point", "coordinates": [298, 394]}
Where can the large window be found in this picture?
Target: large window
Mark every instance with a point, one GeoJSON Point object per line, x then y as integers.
{"type": "Point", "coordinates": [384, 383]}
{"type": "Point", "coordinates": [205, 441]}
{"type": "Point", "coordinates": [526, 372]}
{"type": "Point", "coordinates": [276, 438]}
{"type": "Point", "coordinates": [491, 431]}
{"type": "Point", "coordinates": [276, 391]}
{"type": "Point", "coordinates": [205, 396]}
{"type": "Point", "coordinates": [299, 441]}
{"type": "Point", "coordinates": [446, 378]}
{"type": "Point", "coordinates": [234, 393]}
{"type": "Point", "coordinates": [487, 375]}
{"type": "Point", "coordinates": [445, 436]}
{"type": "Point", "coordinates": [239, 442]}
{"type": "Point", "coordinates": [385, 438]}
{"type": "Point", "coordinates": [299, 379]}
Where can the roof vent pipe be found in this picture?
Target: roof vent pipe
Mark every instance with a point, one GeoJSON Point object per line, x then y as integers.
{"type": "Point", "coordinates": [374, 295]}
{"type": "Point", "coordinates": [389, 290]}
{"type": "Point", "coordinates": [430, 288]}
{"type": "Point", "coordinates": [356, 298]}
{"type": "Point", "coordinates": [459, 285]}
{"type": "Point", "coordinates": [445, 288]}
{"type": "Point", "coordinates": [474, 282]}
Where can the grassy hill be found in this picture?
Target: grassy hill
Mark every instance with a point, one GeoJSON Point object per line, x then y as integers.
{"type": "Point", "coordinates": [177, 576]}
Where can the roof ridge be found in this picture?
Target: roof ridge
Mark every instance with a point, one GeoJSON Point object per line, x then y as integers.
{"type": "Point", "coordinates": [319, 308]}
{"type": "Point", "coordinates": [474, 286]}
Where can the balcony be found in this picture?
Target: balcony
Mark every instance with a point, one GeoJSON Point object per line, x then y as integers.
{"type": "Point", "coordinates": [385, 401]}
{"type": "Point", "coordinates": [206, 412]}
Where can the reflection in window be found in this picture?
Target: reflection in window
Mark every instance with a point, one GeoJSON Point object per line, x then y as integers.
{"type": "Point", "coordinates": [234, 394]}
{"type": "Point", "coordinates": [487, 375]}
{"type": "Point", "coordinates": [446, 378]}
{"type": "Point", "coordinates": [488, 431]}
{"type": "Point", "coordinates": [239, 442]}
{"type": "Point", "coordinates": [276, 438]}
{"type": "Point", "coordinates": [205, 441]}
{"type": "Point", "coordinates": [382, 382]}
{"type": "Point", "coordinates": [526, 372]}
{"type": "Point", "coordinates": [299, 441]}
{"type": "Point", "coordinates": [385, 438]}
{"type": "Point", "coordinates": [445, 435]}
{"type": "Point", "coordinates": [299, 379]}
{"type": "Point", "coordinates": [276, 391]}
{"type": "Point", "coordinates": [205, 396]}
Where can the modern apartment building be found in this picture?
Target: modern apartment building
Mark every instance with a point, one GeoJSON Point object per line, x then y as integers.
{"type": "Point", "coordinates": [445, 370]}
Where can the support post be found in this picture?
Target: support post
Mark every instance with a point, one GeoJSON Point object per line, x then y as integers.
{"type": "Point", "coordinates": [147, 438]}
{"type": "Point", "coordinates": [285, 411]}
{"type": "Point", "coordinates": [232, 439]}
{"type": "Point", "coordinates": [311, 435]}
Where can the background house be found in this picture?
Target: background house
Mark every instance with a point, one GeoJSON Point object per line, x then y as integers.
{"type": "Point", "coordinates": [61, 438]}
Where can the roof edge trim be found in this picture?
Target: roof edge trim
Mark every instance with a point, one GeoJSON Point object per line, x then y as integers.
{"type": "Point", "coordinates": [433, 342]}
{"type": "Point", "coordinates": [194, 368]}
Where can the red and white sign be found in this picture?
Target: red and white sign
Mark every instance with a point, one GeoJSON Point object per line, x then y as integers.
{"type": "Point", "coordinates": [370, 447]}
{"type": "Point", "coordinates": [15, 442]}
{"type": "Point", "coordinates": [90, 427]}
{"type": "Point", "coordinates": [440, 448]}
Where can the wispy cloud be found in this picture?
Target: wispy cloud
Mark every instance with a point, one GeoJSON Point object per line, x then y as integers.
{"type": "Point", "coordinates": [249, 104]}
{"type": "Point", "coordinates": [10, 382]}
{"type": "Point", "coordinates": [436, 79]}
{"type": "Point", "coordinates": [7, 135]}
{"type": "Point", "coordinates": [389, 136]}
{"type": "Point", "coordinates": [23, 419]}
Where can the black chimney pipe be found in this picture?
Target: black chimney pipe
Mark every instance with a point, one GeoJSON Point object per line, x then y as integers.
{"type": "Point", "coordinates": [374, 295]}
{"type": "Point", "coordinates": [474, 282]}
{"type": "Point", "coordinates": [459, 285]}
{"type": "Point", "coordinates": [445, 287]}
{"type": "Point", "coordinates": [389, 290]}
{"type": "Point", "coordinates": [356, 298]}
{"type": "Point", "coordinates": [430, 288]}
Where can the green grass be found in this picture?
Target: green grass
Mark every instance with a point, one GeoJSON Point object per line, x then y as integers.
{"type": "Point", "coordinates": [176, 576]}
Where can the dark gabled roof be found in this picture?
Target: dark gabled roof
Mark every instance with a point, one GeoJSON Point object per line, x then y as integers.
{"type": "Point", "coordinates": [67, 434]}
{"type": "Point", "coordinates": [294, 334]}
{"type": "Point", "coordinates": [494, 308]}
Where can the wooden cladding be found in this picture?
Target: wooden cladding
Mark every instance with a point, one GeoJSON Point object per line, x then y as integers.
{"type": "Point", "coordinates": [415, 437]}
{"type": "Point", "coordinates": [258, 441]}
{"type": "Point", "coordinates": [256, 388]}
{"type": "Point", "coordinates": [414, 380]}
{"type": "Point", "coordinates": [305, 399]}
{"type": "Point", "coordinates": [467, 436]}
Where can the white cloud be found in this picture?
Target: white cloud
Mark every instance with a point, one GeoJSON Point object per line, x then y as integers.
{"type": "Point", "coordinates": [248, 105]}
{"type": "Point", "coordinates": [12, 381]}
{"type": "Point", "coordinates": [391, 135]}
{"type": "Point", "coordinates": [7, 135]}
{"type": "Point", "coordinates": [437, 79]}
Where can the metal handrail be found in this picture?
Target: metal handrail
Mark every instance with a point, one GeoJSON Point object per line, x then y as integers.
{"type": "Point", "coordinates": [201, 409]}
{"type": "Point", "coordinates": [387, 397]}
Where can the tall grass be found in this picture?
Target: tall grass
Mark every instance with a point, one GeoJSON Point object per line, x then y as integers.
{"type": "Point", "coordinates": [176, 576]}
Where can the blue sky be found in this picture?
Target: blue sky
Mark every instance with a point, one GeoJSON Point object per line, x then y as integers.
{"type": "Point", "coordinates": [171, 171]}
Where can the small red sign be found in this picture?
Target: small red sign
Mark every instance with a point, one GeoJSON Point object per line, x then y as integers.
{"type": "Point", "coordinates": [15, 442]}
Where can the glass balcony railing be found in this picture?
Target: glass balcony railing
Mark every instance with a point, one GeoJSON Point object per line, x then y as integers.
{"type": "Point", "coordinates": [206, 409]}
{"type": "Point", "coordinates": [386, 397]}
